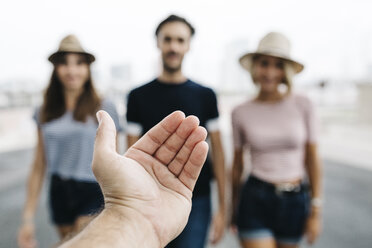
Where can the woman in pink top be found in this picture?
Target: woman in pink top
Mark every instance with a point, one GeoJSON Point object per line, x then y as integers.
{"type": "Point", "coordinates": [274, 207]}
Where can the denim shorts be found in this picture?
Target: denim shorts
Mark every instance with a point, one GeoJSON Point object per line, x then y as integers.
{"type": "Point", "coordinates": [264, 212]}
{"type": "Point", "coordinates": [195, 233]}
{"type": "Point", "coordinates": [70, 199]}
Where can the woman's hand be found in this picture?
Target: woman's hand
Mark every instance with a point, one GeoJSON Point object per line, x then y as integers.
{"type": "Point", "coordinates": [26, 236]}
{"type": "Point", "coordinates": [313, 225]}
{"type": "Point", "coordinates": [218, 227]}
{"type": "Point", "coordinates": [233, 226]}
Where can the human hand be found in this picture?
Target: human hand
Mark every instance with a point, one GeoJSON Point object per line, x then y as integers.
{"type": "Point", "coordinates": [156, 176]}
{"type": "Point", "coordinates": [313, 227]}
{"type": "Point", "coordinates": [218, 227]}
{"type": "Point", "coordinates": [26, 236]}
{"type": "Point", "coordinates": [232, 224]}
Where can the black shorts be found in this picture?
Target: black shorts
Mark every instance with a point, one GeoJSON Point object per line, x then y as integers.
{"type": "Point", "coordinates": [70, 199]}
{"type": "Point", "coordinates": [265, 213]}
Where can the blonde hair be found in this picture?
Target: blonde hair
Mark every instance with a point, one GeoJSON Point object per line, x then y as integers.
{"type": "Point", "coordinates": [289, 72]}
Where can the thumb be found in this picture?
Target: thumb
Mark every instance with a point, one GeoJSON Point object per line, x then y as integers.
{"type": "Point", "coordinates": [106, 134]}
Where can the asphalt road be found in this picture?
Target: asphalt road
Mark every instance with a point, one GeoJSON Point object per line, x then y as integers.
{"type": "Point", "coordinates": [347, 210]}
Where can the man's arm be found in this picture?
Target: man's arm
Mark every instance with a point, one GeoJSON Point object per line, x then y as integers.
{"type": "Point", "coordinates": [147, 191]}
{"type": "Point", "coordinates": [219, 172]}
{"type": "Point", "coordinates": [116, 228]}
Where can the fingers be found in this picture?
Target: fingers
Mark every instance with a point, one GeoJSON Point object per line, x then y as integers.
{"type": "Point", "coordinates": [192, 168]}
{"type": "Point", "coordinates": [173, 144]}
{"type": "Point", "coordinates": [106, 133]}
{"type": "Point", "coordinates": [157, 135]}
{"type": "Point", "coordinates": [177, 164]}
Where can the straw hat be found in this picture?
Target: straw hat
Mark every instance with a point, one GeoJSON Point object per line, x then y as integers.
{"type": "Point", "coordinates": [71, 44]}
{"type": "Point", "coordinates": [273, 44]}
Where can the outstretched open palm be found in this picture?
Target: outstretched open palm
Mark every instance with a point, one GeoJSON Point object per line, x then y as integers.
{"type": "Point", "coordinates": [156, 176]}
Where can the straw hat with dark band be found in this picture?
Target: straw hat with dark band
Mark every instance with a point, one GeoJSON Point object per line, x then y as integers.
{"type": "Point", "coordinates": [273, 44]}
{"type": "Point", "coordinates": [70, 44]}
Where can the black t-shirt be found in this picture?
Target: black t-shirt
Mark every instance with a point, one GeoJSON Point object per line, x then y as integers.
{"type": "Point", "coordinates": [150, 103]}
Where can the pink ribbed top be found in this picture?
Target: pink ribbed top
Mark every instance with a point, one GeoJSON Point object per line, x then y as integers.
{"type": "Point", "coordinates": [275, 134]}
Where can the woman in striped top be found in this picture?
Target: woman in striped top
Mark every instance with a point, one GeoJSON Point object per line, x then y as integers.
{"type": "Point", "coordinates": [272, 208]}
{"type": "Point", "coordinates": [66, 131]}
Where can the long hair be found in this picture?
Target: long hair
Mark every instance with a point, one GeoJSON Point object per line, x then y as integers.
{"type": "Point", "coordinates": [288, 69]}
{"type": "Point", "coordinates": [54, 105]}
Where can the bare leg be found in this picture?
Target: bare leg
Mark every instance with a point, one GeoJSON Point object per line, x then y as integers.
{"type": "Point", "coordinates": [258, 243]}
{"type": "Point", "coordinates": [288, 246]}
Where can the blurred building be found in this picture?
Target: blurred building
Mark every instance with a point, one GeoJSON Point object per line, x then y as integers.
{"type": "Point", "coordinates": [365, 101]}
{"type": "Point", "coordinates": [120, 83]}
{"type": "Point", "coordinates": [20, 93]}
{"type": "Point", "coordinates": [121, 76]}
{"type": "Point", "coordinates": [234, 79]}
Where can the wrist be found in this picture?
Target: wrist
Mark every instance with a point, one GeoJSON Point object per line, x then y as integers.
{"type": "Point", "coordinates": [135, 228]}
{"type": "Point", "coordinates": [114, 227]}
{"type": "Point", "coordinates": [27, 219]}
{"type": "Point", "coordinates": [221, 209]}
{"type": "Point", "coordinates": [315, 211]}
{"type": "Point", "coordinates": [316, 202]}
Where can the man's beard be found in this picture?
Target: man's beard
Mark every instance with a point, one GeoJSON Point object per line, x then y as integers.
{"type": "Point", "coordinates": [171, 69]}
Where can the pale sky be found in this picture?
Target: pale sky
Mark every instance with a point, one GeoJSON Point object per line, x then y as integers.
{"type": "Point", "coordinates": [332, 38]}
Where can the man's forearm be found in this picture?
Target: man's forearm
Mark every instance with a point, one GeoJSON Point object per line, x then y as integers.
{"type": "Point", "coordinates": [116, 228]}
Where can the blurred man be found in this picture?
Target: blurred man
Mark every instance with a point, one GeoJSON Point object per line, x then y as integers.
{"type": "Point", "coordinates": [171, 91]}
